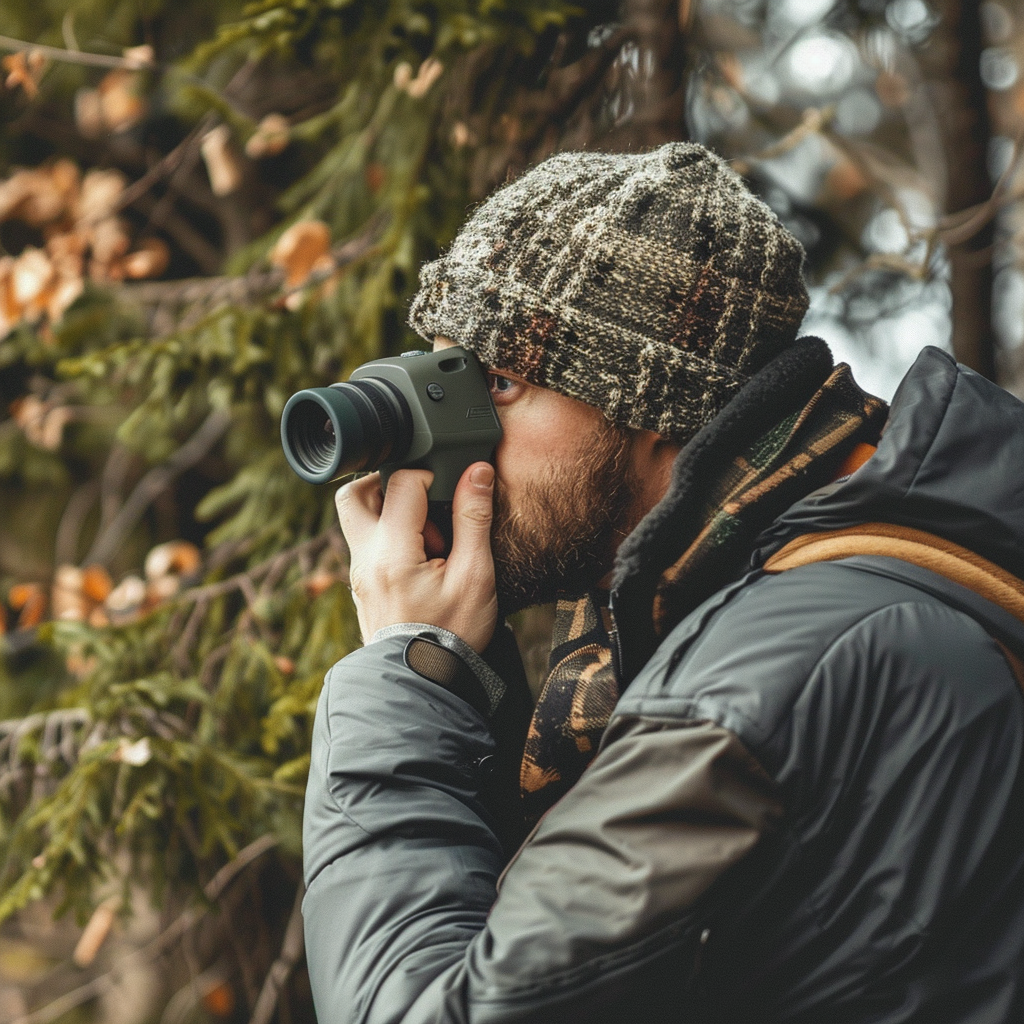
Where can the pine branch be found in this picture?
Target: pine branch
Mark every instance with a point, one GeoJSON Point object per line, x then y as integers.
{"type": "Point", "coordinates": [61, 739]}
{"type": "Point", "coordinates": [156, 947]}
{"type": "Point", "coordinates": [153, 483]}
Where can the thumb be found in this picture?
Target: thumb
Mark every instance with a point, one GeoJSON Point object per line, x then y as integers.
{"type": "Point", "coordinates": [472, 512]}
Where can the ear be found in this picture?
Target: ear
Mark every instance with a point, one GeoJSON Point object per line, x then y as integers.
{"type": "Point", "coordinates": [651, 463]}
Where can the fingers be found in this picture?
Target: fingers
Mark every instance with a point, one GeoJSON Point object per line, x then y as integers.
{"type": "Point", "coordinates": [472, 513]}
{"type": "Point", "coordinates": [404, 514]}
{"type": "Point", "coordinates": [359, 506]}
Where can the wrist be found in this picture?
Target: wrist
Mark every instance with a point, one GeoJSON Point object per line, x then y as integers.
{"type": "Point", "coordinates": [466, 677]}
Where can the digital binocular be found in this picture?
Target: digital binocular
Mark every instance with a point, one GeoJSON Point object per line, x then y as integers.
{"type": "Point", "coordinates": [419, 410]}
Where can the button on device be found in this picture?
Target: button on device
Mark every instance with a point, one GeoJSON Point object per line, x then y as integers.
{"type": "Point", "coordinates": [435, 391]}
{"type": "Point", "coordinates": [413, 352]}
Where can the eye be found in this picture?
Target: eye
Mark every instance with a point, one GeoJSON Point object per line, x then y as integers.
{"type": "Point", "coordinates": [503, 388]}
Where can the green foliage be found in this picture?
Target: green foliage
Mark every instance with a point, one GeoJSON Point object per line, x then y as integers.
{"type": "Point", "coordinates": [219, 682]}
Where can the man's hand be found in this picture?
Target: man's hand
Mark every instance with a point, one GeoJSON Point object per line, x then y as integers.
{"type": "Point", "coordinates": [393, 577]}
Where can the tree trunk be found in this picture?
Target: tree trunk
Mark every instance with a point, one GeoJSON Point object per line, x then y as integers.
{"type": "Point", "coordinates": [952, 62]}
{"type": "Point", "coordinates": [657, 86]}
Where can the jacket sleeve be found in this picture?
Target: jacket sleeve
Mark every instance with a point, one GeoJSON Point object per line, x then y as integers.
{"type": "Point", "coordinates": [404, 917]}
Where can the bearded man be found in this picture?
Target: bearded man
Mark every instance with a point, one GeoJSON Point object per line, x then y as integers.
{"type": "Point", "coordinates": [775, 772]}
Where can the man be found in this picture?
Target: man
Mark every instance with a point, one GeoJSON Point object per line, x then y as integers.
{"type": "Point", "coordinates": [780, 777]}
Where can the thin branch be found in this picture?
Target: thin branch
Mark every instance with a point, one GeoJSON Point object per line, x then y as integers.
{"type": "Point", "coordinates": [96, 60]}
{"type": "Point", "coordinates": [168, 164]}
{"type": "Point", "coordinates": [209, 591]}
{"type": "Point", "coordinates": [168, 937]}
{"type": "Point", "coordinates": [207, 294]}
{"type": "Point", "coordinates": [112, 482]}
{"type": "Point", "coordinates": [153, 483]}
{"type": "Point", "coordinates": [69, 529]}
{"type": "Point", "coordinates": [291, 949]}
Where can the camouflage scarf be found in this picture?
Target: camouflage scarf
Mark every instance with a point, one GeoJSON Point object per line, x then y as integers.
{"type": "Point", "coordinates": [728, 485]}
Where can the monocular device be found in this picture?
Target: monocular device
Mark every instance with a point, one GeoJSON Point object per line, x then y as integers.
{"type": "Point", "coordinates": [419, 410]}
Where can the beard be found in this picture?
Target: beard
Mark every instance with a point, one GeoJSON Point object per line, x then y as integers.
{"type": "Point", "coordinates": [562, 534]}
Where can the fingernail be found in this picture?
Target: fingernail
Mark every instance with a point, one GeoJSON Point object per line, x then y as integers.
{"type": "Point", "coordinates": [482, 476]}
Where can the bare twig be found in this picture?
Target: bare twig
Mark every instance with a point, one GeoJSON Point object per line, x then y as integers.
{"type": "Point", "coordinates": [192, 242]}
{"type": "Point", "coordinates": [96, 60]}
{"type": "Point", "coordinates": [209, 591]}
{"type": "Point", "coordinates": [112, 482]}
{"type": "Point", "coordinates": [812, 122]}
{"type": "Point", "coordinates": [291, 949]}
{"type": "Point", "coordinates": [167, 938]}
{"type": "Point", "coordinates": [63, 737]}
{"type": "Point", "coordinates": [181, 1004]}
{"type": "Point", "coordinates": [168, 164]}
{"type": "Point", "coordinates": [69, 530]}
{"type": "Point", "coordinates": [153, 483]}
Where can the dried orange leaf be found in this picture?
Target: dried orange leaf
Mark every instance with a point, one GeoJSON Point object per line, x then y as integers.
{"type": "Point", "coordinates": [24, 69]}
{"type": "Point", "coordinates": [42, 423]}
{"type": "Point", "coordinates": [299, 248]}
{"type": "Point", "coordinates": [403, 75]}
{"type": "Point", "coordinates": [149, 260]}
{"type": "Point", "coordinates": [89, 113]}
{"type": "Point", "coordinates": [33, 196]}
{"type": "Point", "coordinates": [30, 601]}
{"type": "Point", "coordinates": [222, 162]}
{"type": "Point", "coordinates": [21, 593]}
{"type": "Point", "coordinates": [122, 103]}
{"type": "Point", "coordinates": [27, 410]}
{"type": "Point", "coordinates": [126, 597]}
{"type": "Point", "coordinates": [96, 932]}
{"type": "Point", "coordinates": [66, 178]}
{"type": "Point", "coordinates": [219, 999]}
{"type": "Point", "coordinates": [96, 583]}
{"type": "Point", "coordinates": [101, 192]}
{"type": "Point", "coordinates": [319, 582]}
{"type": "Point", "coordinates": [62, 296]}
{"type": "Point", "coordinates": [32, 274]}
{"type": "Point", "coordinates": [272, 135]}
{"type": "Point", "coordinates": [13, 192]}
{"type": "Point", "coordinates": [66, 251]}
{"type": "Point", "coordinates": [140, 56]}
{"type": "Point", "coordinates": [9, 312]}
{"type": "Point", "coordinates": [110, 240]}
{"type": "Point", "coordinates": [173, 558]}
{"type": "Point", "coordinates": [430, 71]}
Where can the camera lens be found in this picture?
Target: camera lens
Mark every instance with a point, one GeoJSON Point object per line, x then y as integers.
{"type": "Point", "coordinates": [329, 432]}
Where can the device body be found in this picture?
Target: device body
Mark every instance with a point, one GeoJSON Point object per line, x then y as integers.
{"type": "Point", "coordinates": [420, 410]}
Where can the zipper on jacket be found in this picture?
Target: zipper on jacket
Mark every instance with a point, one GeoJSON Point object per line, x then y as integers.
{"type": "Point", "coordinates": [614, 640]}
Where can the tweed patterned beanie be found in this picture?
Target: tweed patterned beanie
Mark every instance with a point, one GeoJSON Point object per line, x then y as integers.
{"type": "Point", "coordinates": [650, 285]}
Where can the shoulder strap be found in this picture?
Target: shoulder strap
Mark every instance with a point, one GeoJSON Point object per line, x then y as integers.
{"type": "Point", "coordinates": [961, 565]}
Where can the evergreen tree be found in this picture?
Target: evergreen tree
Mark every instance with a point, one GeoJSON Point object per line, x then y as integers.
{"type": "Point", "coordinates": [205, 207]}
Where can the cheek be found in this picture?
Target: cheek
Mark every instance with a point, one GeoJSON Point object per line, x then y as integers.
{"type": "Point", "coordinates": [536, 448]}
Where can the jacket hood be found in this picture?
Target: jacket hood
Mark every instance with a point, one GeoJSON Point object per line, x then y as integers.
{"type": "Point", "coordinates": [950, 462]}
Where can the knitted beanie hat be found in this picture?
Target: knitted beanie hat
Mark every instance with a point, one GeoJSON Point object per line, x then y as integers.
{"type": "Point", "coordinates": [650, 285]}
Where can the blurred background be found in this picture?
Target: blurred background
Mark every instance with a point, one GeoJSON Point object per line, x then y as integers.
{"type": "Point", "coordinates": [206, 205]}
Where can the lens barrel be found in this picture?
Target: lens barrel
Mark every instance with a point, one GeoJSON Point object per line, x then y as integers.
{"type": "Point", "coordinates": [346, 428]}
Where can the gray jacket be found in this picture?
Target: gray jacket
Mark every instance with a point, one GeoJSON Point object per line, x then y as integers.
{"type": "Point", "coordinates": [807, 806]}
